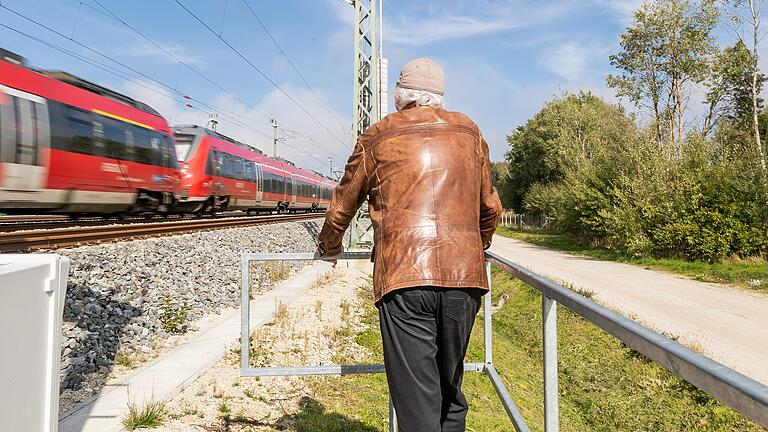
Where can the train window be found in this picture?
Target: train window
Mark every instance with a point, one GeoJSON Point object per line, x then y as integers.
{"type": "Point", "coordinates": [169, 152]}
{"type": "Point", "coordinates": [239, 165]}
{"type": "Point", "coordinates": [250, 174]}
{"type": "Point", "coordinates": [99, 148]}
{"type": "Point", "coordinates": [227, 166]}
{"type": "Point", "coordinates": [183, 145]}
{"type": "Point", "coordinates": [80, 130]}
{"type": "Point", "coordinates": [209, 164]}
{"type": "Point", "coordinates": [26, 143]}
{"type": "Point", "coordinates": [114, 139]}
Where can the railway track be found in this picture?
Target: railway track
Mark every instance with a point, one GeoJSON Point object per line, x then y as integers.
{"type": "Point", "coordinates": [21, 223]}
{"type": "Point", "coordinates": [76, 236]}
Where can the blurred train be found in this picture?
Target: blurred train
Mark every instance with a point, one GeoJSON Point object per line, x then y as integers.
{"type": "Point", "coordinates": [69, 146]}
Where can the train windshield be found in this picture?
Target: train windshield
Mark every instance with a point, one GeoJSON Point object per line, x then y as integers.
{"type": "Point", "coordinates": [183, 145]}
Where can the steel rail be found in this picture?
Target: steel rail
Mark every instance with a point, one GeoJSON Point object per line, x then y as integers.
{"type": "Point", "coordinates": [66, 237]}
{"type": "Point", "coordinates": [29, 223]}
{"type": "Point", "coordinates": [743, 394]}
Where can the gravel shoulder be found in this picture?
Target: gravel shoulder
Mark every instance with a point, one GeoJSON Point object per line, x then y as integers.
{"type": "Point", "coordinates": [129, 302]}
{"type": "Point", "coordinates": [722, 322]}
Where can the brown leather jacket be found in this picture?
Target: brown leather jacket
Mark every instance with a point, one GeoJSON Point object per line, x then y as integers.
{"type": "Point", "coordinates": [426, 174]}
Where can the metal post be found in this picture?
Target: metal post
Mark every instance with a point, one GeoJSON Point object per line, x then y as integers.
{"type": "Point", "coordinates": [273, 123]}
{"type": "Point", "coordinates": [488, 319]}
{"type": "Point", "coordinates": [392, 417]}
{"type": "Point", "coordinates": [549, 328]}
{"type": "Point", "coordinates": [245, 316]}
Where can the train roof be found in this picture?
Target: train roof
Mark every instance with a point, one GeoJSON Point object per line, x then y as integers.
{"type": "Point", "coordinates": [194, 129]}
{"type": "Point", "coordinates": [12, 57]}
{"type": "Point", "coordinates": [76, 81]}
{"type": "Point", "coordinates": [204, 130]}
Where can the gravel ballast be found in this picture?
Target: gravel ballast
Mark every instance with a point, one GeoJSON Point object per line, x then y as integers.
{"type": "Point", "coordinates": [126, 296]}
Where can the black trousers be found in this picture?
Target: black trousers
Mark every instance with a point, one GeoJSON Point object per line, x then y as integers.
{"type": "Point", "coordinates": [426, 331]}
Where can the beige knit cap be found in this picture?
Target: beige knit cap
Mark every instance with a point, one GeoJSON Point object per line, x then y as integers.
{"type": "Point", "coordinates": [422, 74]}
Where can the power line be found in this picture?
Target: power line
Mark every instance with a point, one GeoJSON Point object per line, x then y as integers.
{"type": "Point", "coordinates": [261, 73]}
{"type": "Point", "coordinates": [130, 78]}
{"type": "Point", "coordinates": [111, 70]}
{"type": "Point", "coordinates": [293, 66]}
{"type": "Point", "coordinates": [116, 17]}
{"type": "Point", "coordinates": [136, 71]}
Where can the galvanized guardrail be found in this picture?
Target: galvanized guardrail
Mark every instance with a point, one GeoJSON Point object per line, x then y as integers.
{"type": "Point", "coordinates": [742, 393]}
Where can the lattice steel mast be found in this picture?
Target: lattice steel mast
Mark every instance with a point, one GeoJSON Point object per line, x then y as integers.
{"type": "Point", "coordinates": [366, 107]}
{"type": "Point", "coordinates": [366, 95]}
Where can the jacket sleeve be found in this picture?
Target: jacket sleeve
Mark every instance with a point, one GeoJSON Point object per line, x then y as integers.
{"type": "Point", "coordinates": [490, 204]}
{"type": "Point", "coordinates": [348, 196]}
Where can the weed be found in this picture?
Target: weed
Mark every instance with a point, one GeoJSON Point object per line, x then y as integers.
{"type": "Point", "coordinates": [152, 414]}
{"type": "Point", "coordinates": [125, 359]}
{"type": "Point", "coordinates": [174, 316]}
{"type": "Point", "coordinates": [225, 411]}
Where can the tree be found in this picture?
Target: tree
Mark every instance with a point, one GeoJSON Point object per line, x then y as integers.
{"type": "Point", "coordinates": [667, 48]}
{"type": "Point", "coordinates": [747, 13]}
{"type": "Point", "coordinates": [500, 180]}
{"type": "Point", "coordinates": [564, 133]}
{"type": "Point", "coordinates": [729, 88]}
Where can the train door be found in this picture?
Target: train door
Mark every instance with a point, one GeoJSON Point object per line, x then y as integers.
{"type": "Point", "coordinates": [24, 140]}
{"type": "Point", "coordinates": [259, 184]}
{"type": "Point", "coordinates": [292, 193]}
{"type": "Point", "coordinates": [218, 167]}
{"type": "Point", "coordinates": [170, 176]}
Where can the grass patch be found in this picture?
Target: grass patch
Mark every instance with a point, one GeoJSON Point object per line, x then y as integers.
{"type": "Point", "coordinates": [604, 385]}
{"type": "Point", "coordinates": [748, 273]}
{"type": "Point", "coordinates": [151, 415]}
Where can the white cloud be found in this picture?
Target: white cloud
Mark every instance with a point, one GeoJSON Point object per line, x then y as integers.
{"type": "Point", "coordinates": [573, 61]}
{"type": "Point", "coordinates": [145, 49]}
{"type": "Point", "coordinates": [422, 23]}
{"type": "Point", "coordinates": [623, 9]}
{"type": "Point", "coordinates": [439, 28]}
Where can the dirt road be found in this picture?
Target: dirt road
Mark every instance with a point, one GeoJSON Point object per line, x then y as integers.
{"type": "Point", "coordinates": [727, 324]}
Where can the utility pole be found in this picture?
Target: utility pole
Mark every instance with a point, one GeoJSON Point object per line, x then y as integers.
{"type": "Point", "coordinates": [330, 164]}
{"type": "Point", "coordinates": [273, 123]}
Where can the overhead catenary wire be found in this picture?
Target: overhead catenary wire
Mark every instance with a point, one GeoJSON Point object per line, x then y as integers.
{"type": "Point", "coordinates": [293, 66]}
{"type": "Point", "coordinates": [111, 70]}
{"type": "Point", "coordinates": [193, 69]}
{"type": "Point", "coordinates": [146, 77]}
{"type": "Point", "coordinates": [146, 82]}
{"type": "Point", "coordinates": [262, 74]}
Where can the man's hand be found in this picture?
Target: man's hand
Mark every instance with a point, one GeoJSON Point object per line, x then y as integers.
{"type": "Point", "coordinates": [320, 253]}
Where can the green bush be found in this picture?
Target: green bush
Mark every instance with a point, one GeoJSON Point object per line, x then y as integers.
{"type": "Point", "coordinates": [708, 204]}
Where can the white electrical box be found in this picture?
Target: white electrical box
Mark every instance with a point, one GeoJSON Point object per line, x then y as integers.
{"type": "Point", "coordinates": [32, 292]}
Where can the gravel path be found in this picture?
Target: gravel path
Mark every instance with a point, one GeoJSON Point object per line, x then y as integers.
{"type": "Point", "coordinates": [127, 302]}
{"type": "Point", "coordinates": [724, 323]}
{"type": "Point", "coordinates": [316, 329]}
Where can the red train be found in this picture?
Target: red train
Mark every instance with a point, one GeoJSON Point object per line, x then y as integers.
{"type": "Point", "coordinates": [220, 173]}
{"type": "Point", "coordinates": [70, 146]}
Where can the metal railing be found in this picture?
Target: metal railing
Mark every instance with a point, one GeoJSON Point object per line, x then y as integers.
{"type": "Point", "coordinates": [742, 393]}
{"type": "Point", "coordinates": [523, 221]}
{"type": "Point", "coordinates": [486, 366]}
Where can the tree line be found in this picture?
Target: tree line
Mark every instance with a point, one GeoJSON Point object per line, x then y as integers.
{"type": "Point", "coordinates": [667, 178]}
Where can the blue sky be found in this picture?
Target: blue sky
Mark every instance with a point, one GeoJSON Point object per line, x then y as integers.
{"type": "Point", "coordinates": [502, 58]}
